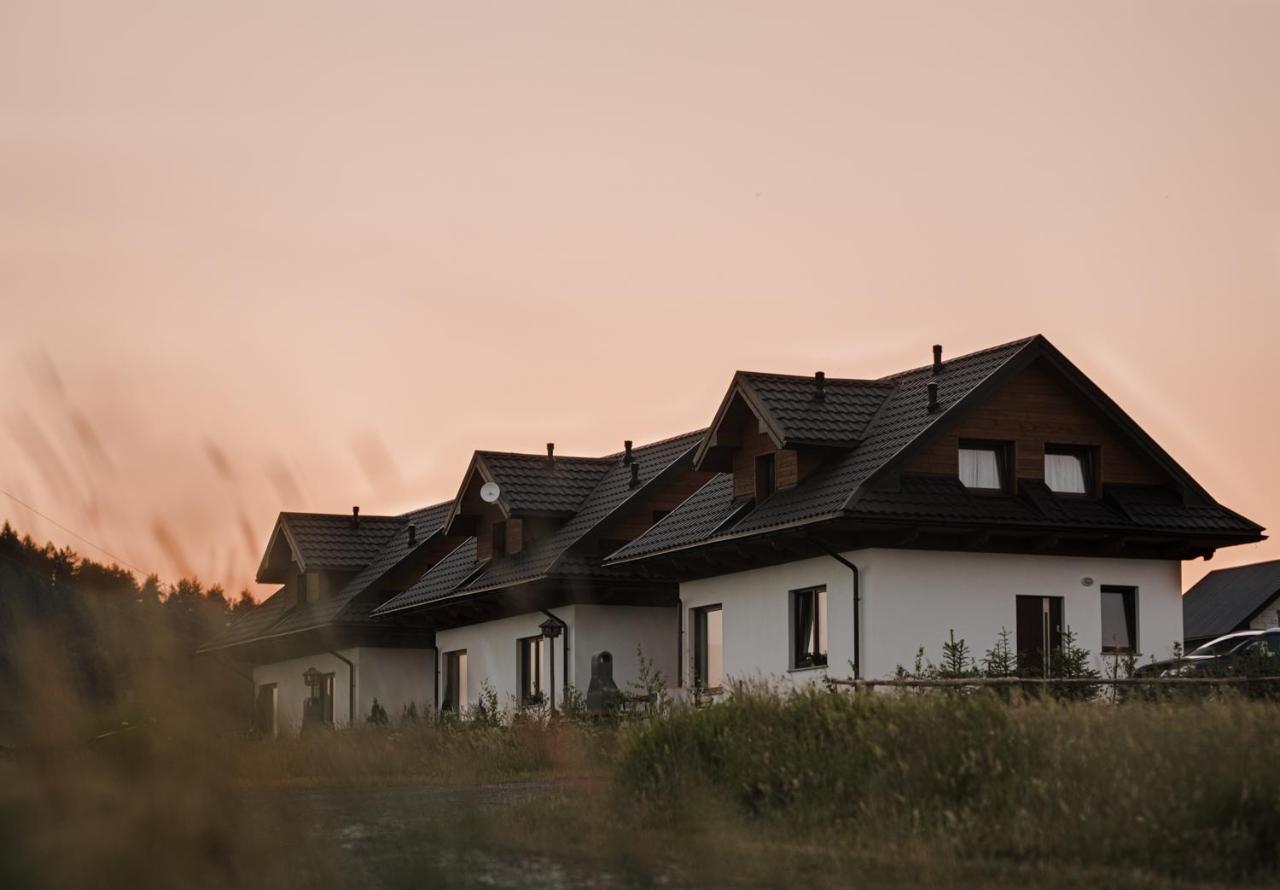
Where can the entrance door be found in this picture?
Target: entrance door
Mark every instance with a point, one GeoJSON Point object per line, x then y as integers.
{"type": "Point", "coordinates": [1039, 633]}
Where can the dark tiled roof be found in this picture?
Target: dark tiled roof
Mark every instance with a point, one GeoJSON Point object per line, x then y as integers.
{"type": "Point", "coordinates": [278, 615]}
{"type": "Point", "coordinates": [441, 580]}
{"type": "Point", "coordinates": [839, 488]}
{"type": "Point", "coordinates": [332, 542]}
{"type": "Point", "coordinates": [827, 493]}
{"type": "Point", "coordinates": [839, 418]}
{"type": "Point", "coordinates": [532, 484]}
{"type": "Point", "coordinates": [553, 556]}
{"type": "Point", "coordinates": [1226, 598]}
{"type": "Point", "coordinates": [694, 520]}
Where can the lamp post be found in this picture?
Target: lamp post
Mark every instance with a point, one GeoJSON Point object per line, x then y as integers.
{"type": "Point", "coordinates": [550, 631]}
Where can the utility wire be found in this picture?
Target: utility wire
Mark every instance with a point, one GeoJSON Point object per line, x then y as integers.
{"type": "Point", "coordinates": [75, 534]}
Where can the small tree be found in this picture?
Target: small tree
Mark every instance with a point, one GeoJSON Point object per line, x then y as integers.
{"type": "Point", "coordinates": [1001, 660]}
{"type": "Point", "coordinates": [957, 662]}
{"type": "Point", "coordinates": [377, 714]}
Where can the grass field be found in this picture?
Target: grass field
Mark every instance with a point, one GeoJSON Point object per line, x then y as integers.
{"type": "Point", "coordinates": [818, 789]}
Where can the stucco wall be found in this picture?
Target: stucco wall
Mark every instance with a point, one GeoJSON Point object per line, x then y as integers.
{"type": "Point", "coordinates": [492, 653]}
{"type": "Point", "coordinates": [394, 676]}
{"type": "Point", "coordinates": [913, 598]}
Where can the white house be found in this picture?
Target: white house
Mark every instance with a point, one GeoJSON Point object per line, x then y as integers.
{"type": "Point", "coordinates": [854, 521]}
{"type": "Point", "coordinates": [817, 526]}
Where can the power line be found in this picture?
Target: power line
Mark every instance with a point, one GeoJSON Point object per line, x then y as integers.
{"type": "Point", "coordinates": [71, 532]}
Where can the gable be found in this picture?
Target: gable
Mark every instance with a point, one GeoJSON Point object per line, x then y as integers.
{"type": "Point", "coordinates": [1035, 408]}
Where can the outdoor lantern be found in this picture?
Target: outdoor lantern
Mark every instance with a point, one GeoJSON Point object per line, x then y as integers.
{"type": "Point", "coordinates": [551, 629]}
{"type": "Point", "coordinates": [311, 677]}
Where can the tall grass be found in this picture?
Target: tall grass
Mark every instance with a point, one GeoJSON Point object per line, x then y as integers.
{"type": "Point", "coordinates": [1190, 788]}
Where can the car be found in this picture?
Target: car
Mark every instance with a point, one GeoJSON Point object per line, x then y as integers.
{"type": "Point", "coordinates": [1246, 650]}
{"type": "Point", "coordinates": [1208, 652]}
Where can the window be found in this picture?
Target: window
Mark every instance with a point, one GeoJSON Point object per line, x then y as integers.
{"type": "Point", "coordinates": [455, 681]}
{"type": "Point", "coordinates": [498, 544]}
{"type": "Point", "coordinates": [809, 627]}
{"type": "Point", "coordinates": [1119, 619]}
{"type": "Point", "coordinates": [708, 647]}
{"type": "Point", "coordinates": [529, 651]}
{"type": "Point", "coordinates": [764, 476]}
{"type": "Point", "coordinates": [1067, 469]}
{"type": "Point", "coordinates": [983, 466]}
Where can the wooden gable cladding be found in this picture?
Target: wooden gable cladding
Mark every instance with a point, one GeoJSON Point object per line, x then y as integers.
{"type": "Point", "coordinates": [640, 512]}
{"type": "Point", "coordinates": [1032, 410]}
{"type": "Point", "coordinates": [790, 464]}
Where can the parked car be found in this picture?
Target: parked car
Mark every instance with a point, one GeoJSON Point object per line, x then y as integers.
{"type": "Point", "coordinates": [1246, 651]}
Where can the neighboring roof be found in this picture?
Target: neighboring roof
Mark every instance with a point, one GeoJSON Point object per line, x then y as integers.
{"type": "Point", "coordinates": [552, 555]}
{"type": "Point", "coordinates": [839, 418]}
{"type": "Point", "coordinates": [278, 615]}
{"type": "Point", "coordinates": [331, 541]}
{"type": "Point", "coordinates": [1227, 598]}
{"type": "Point", "coordinates": [842, 487]}
{"type": "Point", "coordinates": [532, 484]}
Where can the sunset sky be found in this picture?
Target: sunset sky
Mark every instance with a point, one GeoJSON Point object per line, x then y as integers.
{"type": "Point", "coordinates": [304, 255]}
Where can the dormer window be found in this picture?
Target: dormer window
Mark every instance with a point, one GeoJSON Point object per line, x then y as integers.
{"type": "Point", "coordinates": [764, 477]}
{"type": "Point", "coordinates": [984, 466]}
{"type": "Point", "coordinates": [1067, 469]}
{"type": "Point", "coordinates": [499, 535]}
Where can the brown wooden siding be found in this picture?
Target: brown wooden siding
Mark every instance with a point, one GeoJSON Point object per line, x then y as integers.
{"type": "Point", "coordinates": [637, 515]}
{"type": "Point", "coordinates": [1032, 410]}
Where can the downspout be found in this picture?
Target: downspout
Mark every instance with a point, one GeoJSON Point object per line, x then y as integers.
{"type": "Point", "coordinates": [857, 606]}
{"type": "Point", "coordinates": [564, 660]}
{"type": "Point", "coordinates": [351, 686]}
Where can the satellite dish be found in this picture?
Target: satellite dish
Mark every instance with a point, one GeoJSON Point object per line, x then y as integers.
{"type": "Point", "coordinates": [489, 492]}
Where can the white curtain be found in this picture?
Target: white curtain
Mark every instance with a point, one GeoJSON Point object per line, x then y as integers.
{"type": "Point", "coordinates": [979, 468]}
{"type": "Point", "coordinates": [1064, 473]}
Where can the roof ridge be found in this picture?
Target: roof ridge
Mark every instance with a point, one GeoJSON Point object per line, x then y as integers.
{"type": "Point", "coordinates": [1248, 565]}
{"type": "Point", "coordinates": [538, 455]}
{"type": "Point", "coordinates": [875, 381]}
{"type": "Point", "coordinates": [614, 455]}
{"type": "Point", "coordinates": [363, 516]}
{"type": "Point", "coordinates": [1021, 341]}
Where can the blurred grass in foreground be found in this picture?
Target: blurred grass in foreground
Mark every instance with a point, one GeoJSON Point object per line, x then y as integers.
{"type": "Point", "coordinates": [809, 788]}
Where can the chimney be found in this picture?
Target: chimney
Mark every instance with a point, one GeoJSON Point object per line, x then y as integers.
{"type": "Point", "coordinates": [635, 475]}
{"type": "Point", "coordinates": [937, 359]}
{"type": "Point", "coordinates": [820, 384]}
{"type": "Point", "coordinates": [355, 516]}
{"type": "Point", "coordinates": [413, 534]}
{"type": "Point", "coordinates": [551, 453]}
{"type": "Point", "coordinates": [933, 397]}
{"type": "Point", "coordinates": [626, 452]}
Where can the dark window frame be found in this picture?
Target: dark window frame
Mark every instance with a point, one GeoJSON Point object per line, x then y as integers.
{"type": "Point", "coordinates": [451, 662]}
{"type": "Point", "coordinates": [1004, 463]}
{"type": "Point", "coordinates": [766, 478]}
{"type": "Point", "coordinates": [701, 646]}
{"type": "Point", "coordinates": [529, 651]}
{"type": "Point", "coordinates": [801, 658]}
{"type": "Point", "coordinates": [1130, 609]}
{"type": "Point", "coordinates": [1088, 465]}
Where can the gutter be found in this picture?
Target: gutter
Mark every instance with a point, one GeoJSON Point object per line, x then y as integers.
{"type": "Point", "coordinates": [857, 605]}
{"type": "Point", "coordinates": [351, 686]}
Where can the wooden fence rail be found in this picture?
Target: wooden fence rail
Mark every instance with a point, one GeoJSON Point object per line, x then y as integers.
{"type": "Point", "coordinates": [1051, 681]}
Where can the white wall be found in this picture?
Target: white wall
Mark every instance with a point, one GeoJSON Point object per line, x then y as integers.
{"type": "Point", "coordinates": [394, 676]}
{"type": "Point", "coordinates": [1269, 616]}
{"type": "Point", "coordinates": [913, 598]}
{"type": "Point", "coordinates": [492, 652]}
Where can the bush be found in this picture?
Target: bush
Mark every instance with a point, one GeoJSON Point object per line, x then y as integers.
{"type": "Point", "coordinates": [1192, 787]}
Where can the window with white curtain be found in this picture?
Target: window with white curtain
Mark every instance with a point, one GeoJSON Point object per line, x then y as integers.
{"type": "Point", "coordinates": [981, 467]}
{"type": "Point", "coordinates": [1066, 470]}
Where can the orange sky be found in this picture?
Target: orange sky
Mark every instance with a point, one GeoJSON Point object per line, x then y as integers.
{"type": "Point", "coordinates": [304, 255]}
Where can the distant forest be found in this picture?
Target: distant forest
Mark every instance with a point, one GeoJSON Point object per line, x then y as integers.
{"type": "Point", "coordinates": [85, 639]}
